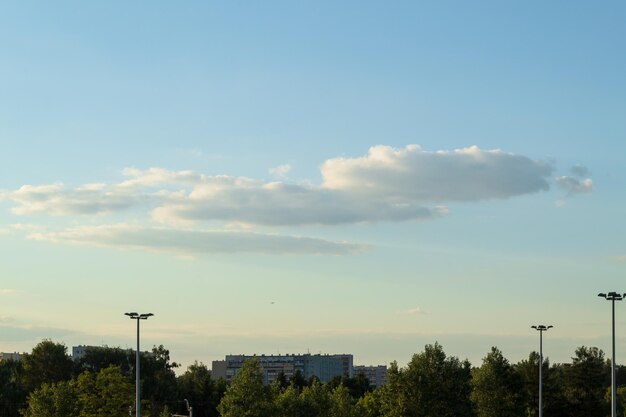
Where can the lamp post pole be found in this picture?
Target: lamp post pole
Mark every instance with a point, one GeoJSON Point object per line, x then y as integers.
{"type": "Point", "coordinates": [612, 297]}
{"type": "Point", "coordinates": [541, 328]}
{"type": "Point", "coordinates": [136, 316]}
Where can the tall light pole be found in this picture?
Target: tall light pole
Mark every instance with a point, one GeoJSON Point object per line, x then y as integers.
{"type": "Point", "coordinates": [541, 328]}
{"type": "Point", "coordinates": [138, 317]}
{"type": "Point", "coordinates": [613, 297]}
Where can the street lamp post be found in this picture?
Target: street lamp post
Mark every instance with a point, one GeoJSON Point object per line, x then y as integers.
{"type": "Point", "coordinates": [137, 316]}
{"type": "Point", "coordinates": [541, 328]}
{"type": "Point", "coordinates": [613, 297]}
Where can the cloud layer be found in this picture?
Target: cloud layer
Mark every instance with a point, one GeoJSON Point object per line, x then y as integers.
{"type": "Point", "coordinates": [386, 185]}
{"type": "Point", "coordinates": [190, 242]}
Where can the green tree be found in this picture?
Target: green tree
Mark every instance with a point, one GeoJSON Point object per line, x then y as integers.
{"type": "Point", "coordinates": [107, 394]}
{"type": "Point", "coordinates": [586, 380]}
{"type": "Point", "coordinates": [247, 396]}
{"type": "Point", "coordinates": [394, 397]}
{"type": "Point", "coordinates": [158, 384]}
{"type": "Point", "coordinates": [315, 400]}
{"type": "Point", "coordinates": [97, 358]}
{"type": "Point", "coordinates": [554, 402]}
{"type": "Point", "coordinates": [202, 392]}
{"type": "Point", "coordinates": [431, 385]}
{"type": "Point", "coordinates": [497, 388]}
{"type": "Point", "coordinates": [369, 405]}
{"type": "Point", "coordinates": [342, 403]}
{"type": "Point", "coordinates": [12, 395]}
{"type": "Point", "coordinates": [54, 400]}
{"type": "Point", "coordinates": [47, 363]}
{"type": "Point", "coordinates": [357, 385]}
{"type": "Point", "coordinates": [288, 402]}
{"type": "Point", "coordinates": [298, 380]}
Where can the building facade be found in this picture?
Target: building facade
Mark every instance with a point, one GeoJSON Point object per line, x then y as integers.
{"type": "Point", "coordinates": [324, 367]}
{"type": "Point", "coordinates": [8, 356]}
{"type": "Point", "coordinates": [377, 375]}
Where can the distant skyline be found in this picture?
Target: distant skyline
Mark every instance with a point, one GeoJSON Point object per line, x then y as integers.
{"type": "Point", "coordinates": [351, 177]}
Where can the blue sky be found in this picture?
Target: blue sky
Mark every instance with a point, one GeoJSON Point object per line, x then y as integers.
{"type": "Point", "coordinates": [387, 175]}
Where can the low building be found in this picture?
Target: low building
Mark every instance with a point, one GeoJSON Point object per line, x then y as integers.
{"type": "Point", "coordinates": [79, 351]}
{"type": "Point", "coordinates": [324, 367]}
{"type": "Point", "coordinates": [377, 375]}
{"type": "Point", "coordinates": [7, 356]}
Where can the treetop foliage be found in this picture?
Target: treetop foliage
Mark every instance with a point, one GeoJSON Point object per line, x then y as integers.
{"type": "Point", "coordinates": [47, 383]}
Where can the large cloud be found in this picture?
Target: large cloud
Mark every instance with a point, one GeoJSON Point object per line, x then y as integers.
{"type": "Point", "coordinates": [192, 242]}
{"type": "Point", "coordinates": [276, 203]}
{"type": "Point", "coordinates": [387, 184]}
{"type": "Point", "coordinates": [414, 175]}
{"type": "Point", "coordinates": [58, 200]}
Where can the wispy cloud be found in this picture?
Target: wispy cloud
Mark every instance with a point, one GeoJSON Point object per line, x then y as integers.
{"type": "Point", "coordinates": [280, 171]}
{"type": "Point", "coordinates": [7, 291]}
{"type": "Point", "coordinates": [193, 242]}
{"type": "Point", "coordinates": [576, 183]}
{"type": "Point", "coordinates": [412, 311]}
{"type": "Point", "coordinates": [579, 170]}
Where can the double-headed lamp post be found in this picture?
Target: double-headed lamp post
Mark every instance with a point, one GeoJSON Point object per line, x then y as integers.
{"type": "Point", "coordinates": [138, 317]}
{"type": "Point", "coordinates": [613, 297]}
{"type": "Point", "coordinates": [541, 328]}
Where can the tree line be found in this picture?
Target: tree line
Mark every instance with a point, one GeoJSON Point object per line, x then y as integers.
{"type": "Point", "coordinates": [48, 383]}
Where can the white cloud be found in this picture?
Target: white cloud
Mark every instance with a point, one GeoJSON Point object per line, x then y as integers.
{"type": "Point", "coordinates": [159, 177]}
{"type": "Point", "coordinates": [417, 176]}
{"type": "Point", "coordinates": [281, 171]}
{"type": "Point", "coordinates": [194, 242]}
{"type": "Point", "coordinates": [58, 200]}
{"type": "Point", "coordinates": [7, 291]}
{"type": "Point", "coordinates": [387, 184]}
{"type": "Point", "coordinates": [412, 311]}
{"type": "Point", "coordinates": [248, 201]}
{"type": "Point", "coordinates": [575, 186]}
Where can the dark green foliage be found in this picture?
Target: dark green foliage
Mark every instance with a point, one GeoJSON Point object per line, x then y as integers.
{"type": "Point", "coordinates": [431, 385]}
{"type": "Point", "coordinates": [54, 400]}
{"type": "Point", "coordinates": [247, 396]}
{"type": "Point", "coordinates": [202, 392]}
{"type": "Point", "coordinates": [158, 386]}
{"type": "Point", "coordinates": [369, 405]}
{"type": "Point", "coordinates": [97, 358]}
{"type": "Point", "coordinates": [106, 394]}
{"type": "Point", "coordinates": [497, 388]}
{"type": "Point", "coordinates": [298, 380]}
{"type": "Point", "coordinates": [357, 386]}
{"type": "Point", "coordinates": [158, 381]}
{"type": "Point", "coordinates": [47, 363]}
{"type": "Point", "coordinates": [554, 403]}
{"type": "Point", "coordinates": [586, 380]}
{"type": "Point", "coordinates": [12, 394]}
